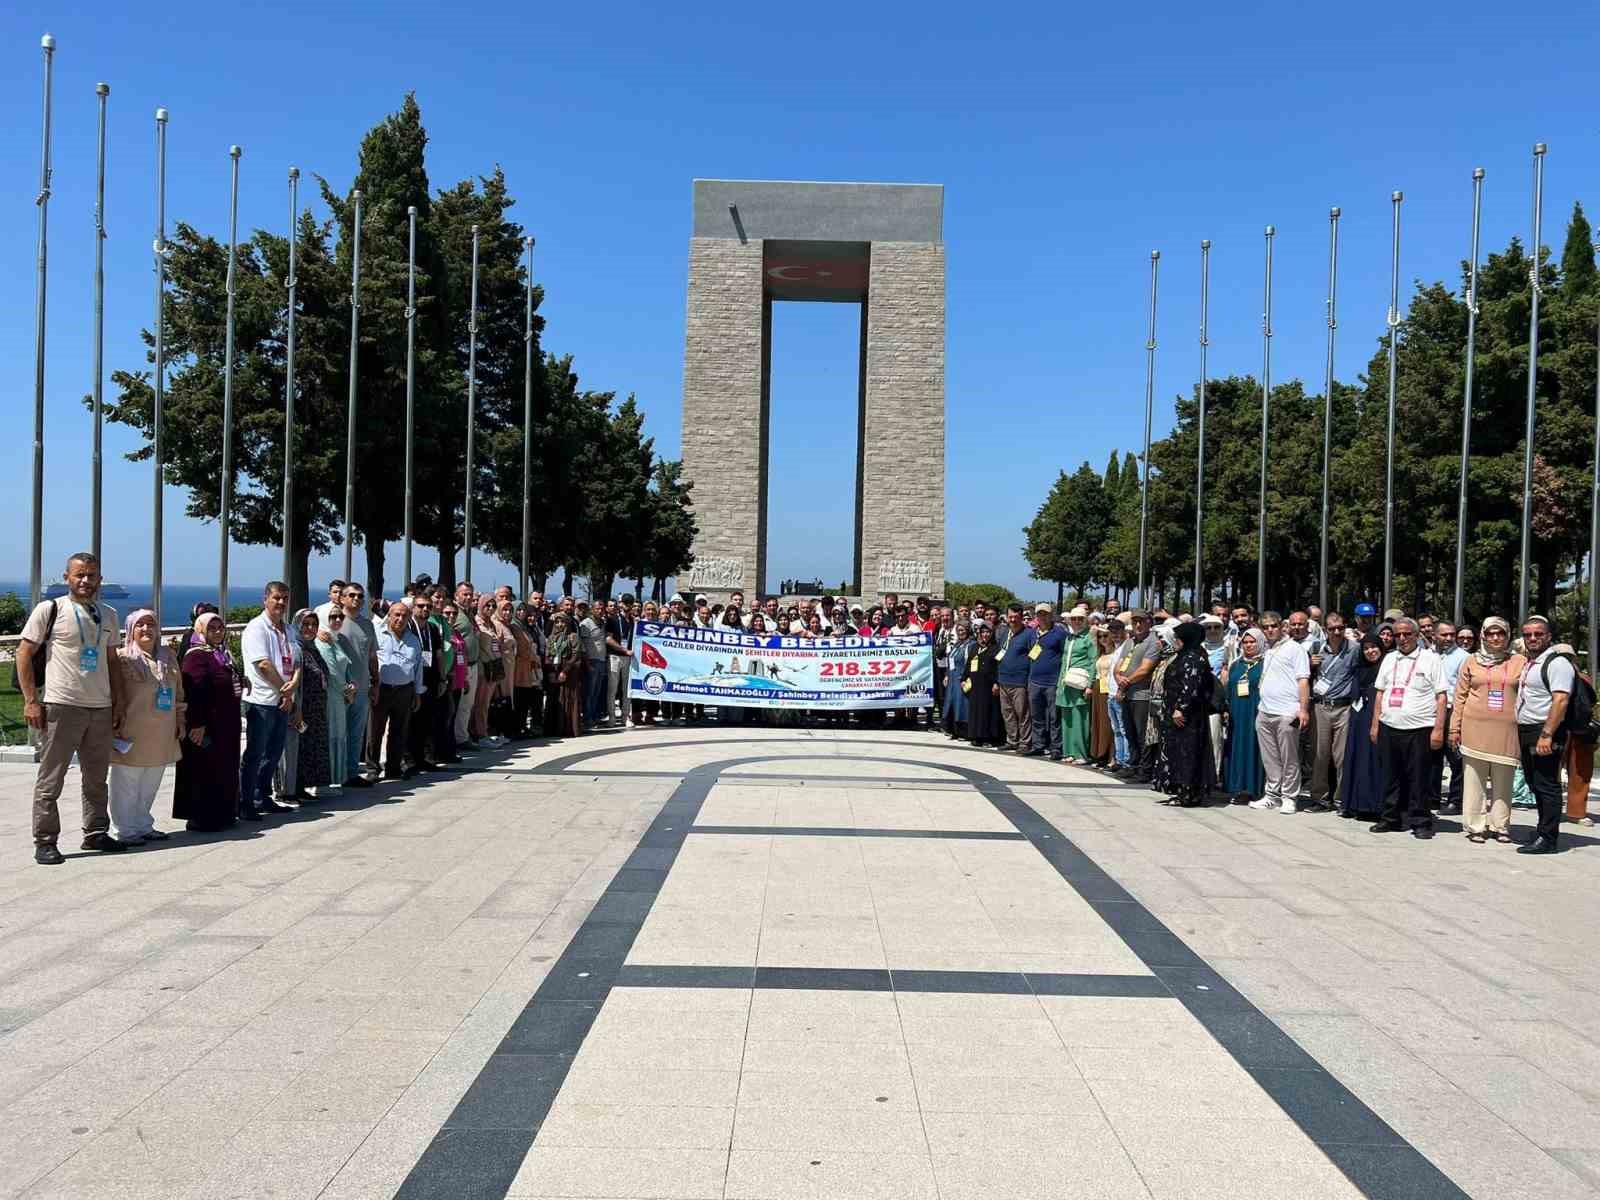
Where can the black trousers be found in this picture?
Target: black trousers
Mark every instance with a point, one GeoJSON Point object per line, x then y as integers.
{"type": "Point", "coordinates": [1406, 759]}
{"type": "Point", "coordinates": [391, 710]}
{"type": "Point", "coordinates": [1135, 716]}
{"type": "Point", "coordinates": [1436, 772]}
{"type": "Point", "coordinates": [1543, 773]}
{"type": "Point", "coordinates": [419, 737]}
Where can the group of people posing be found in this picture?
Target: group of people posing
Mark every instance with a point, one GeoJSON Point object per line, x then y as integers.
{"type": "Point", "coordinates": [1292, 714]}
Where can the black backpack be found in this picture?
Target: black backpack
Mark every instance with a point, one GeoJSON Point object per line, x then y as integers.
{"type": "Point", "coordinates": [1579, 719]}
{"type": "Point", "coordinates": [39, 657]}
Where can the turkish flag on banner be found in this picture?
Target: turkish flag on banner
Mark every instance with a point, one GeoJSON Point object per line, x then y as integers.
{"type": "Point", "coordinates": [651, 657]}
{"type": "Point", "coordinates": [848, 274]}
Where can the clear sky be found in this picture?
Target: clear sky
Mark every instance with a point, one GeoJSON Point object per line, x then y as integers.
{"type": "Point", "coordinates": [1071, 140]}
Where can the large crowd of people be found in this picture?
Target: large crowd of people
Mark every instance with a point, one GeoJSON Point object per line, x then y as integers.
{"type": "Point", "coordinates": [1296, 714]}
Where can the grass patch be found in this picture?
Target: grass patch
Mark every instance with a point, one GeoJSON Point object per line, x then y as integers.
{"type": "Point", "coordinates": [13, 730]}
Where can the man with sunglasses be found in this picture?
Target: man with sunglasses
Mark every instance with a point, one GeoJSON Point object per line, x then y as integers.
{"type": "Point", "coordinates": [1542, 699]}
{"type": "Point", "coordinates": [1407, 726]}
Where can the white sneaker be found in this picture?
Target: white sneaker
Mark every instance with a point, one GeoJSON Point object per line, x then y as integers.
{"type": "Point", "coordinates": [1264, 804]}
{"type": "Point", "coordinates": [1288, 807]}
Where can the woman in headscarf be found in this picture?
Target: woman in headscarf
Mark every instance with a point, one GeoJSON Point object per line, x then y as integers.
{"type": "Point", "coordinates": [335, 652]}
{"type": "Point", "coordinates": [1185, 770]}
{"type": "Point", "coordinates": [1361, 783]}
{"type": "Point", "coordinates": [1483, 727]}
{"type": "Point", "coordinates": [525, 666]}
{"type": "Point", "coordinates": [1386, 636]}
{"type": "Point", "coordinates": [1102, 738]}
{"type": "Point", "coordinates": [566, 653]}
{"type": "Point", "coordinates": [1244, 777]}
{"type": "Point", "coordinates": [1117, 637]}
{"type": "Point", "coordinates": [1072, 687]}
{"type": "Point", "coordinates": [152, 692]}
{"type": "Point", "coordinates": [492, 638]}
{"type": "Point", "coordinates": [1216, 648]}
{"type": "Point", "coordinates": [1166, 646]}
{"type": "Point", "coordinates": [953, 712]}
{"type": "Point", "coordinates": [206, 793]}
{"type": "Point", "coordinates": [313, 763]}
{"type": "Point", "coordinates": [979, 683]}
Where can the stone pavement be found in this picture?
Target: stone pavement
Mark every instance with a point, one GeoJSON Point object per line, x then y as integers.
{"type": "Point", "coordinates": [695, 962]}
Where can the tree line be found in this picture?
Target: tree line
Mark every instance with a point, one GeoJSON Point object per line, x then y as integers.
{"type": "Point", "coordinates": [1086, 532]}
{"type": "Point", "coordinates": [604, 504]}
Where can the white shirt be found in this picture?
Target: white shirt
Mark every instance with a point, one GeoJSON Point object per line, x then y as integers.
{"type": "Point", "coordinates": [1452, 662]}
{"type": "Point", "coordinates": [280, 647]}
{"type": "Point", "coordinates": [1284, 666]}
{"type": "Point", "coordinates": [1420, 678]}
{"type": "Point", "coordinates": [1533, 698]}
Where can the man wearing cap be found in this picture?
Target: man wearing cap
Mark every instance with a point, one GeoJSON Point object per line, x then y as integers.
{"type": "Point", "coordinates": [1366, 614]}
{"type": "Point", "coordinates": [1011, 681]}
{"type": "Point", "coordinates": [1044, 673]}
{"type": "Point", "coordinates": [1134, 669]}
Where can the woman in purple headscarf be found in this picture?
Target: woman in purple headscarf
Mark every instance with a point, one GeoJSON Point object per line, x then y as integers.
{"type": "Point", "coordinates": [207, 792]}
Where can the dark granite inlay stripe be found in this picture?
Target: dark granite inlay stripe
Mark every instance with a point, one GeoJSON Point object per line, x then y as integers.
{"type": "Point", "coordinates": [863, 979]}
{"type": "Point", "coordinates": [980, 835]}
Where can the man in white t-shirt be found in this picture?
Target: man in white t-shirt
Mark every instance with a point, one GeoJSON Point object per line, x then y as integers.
{"type": "Point", "coordinates": [271, 653]}
{"type": "Point", "coordinates": [1407, 726]}
{"type": "Point", "coordinates": [75, 709]}
{"type": "Point", "coordinates": [1542, 699]}
{"type": "Point", "coordinates": [1285, 710]}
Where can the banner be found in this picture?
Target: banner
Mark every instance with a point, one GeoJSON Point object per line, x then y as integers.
{"type": "Point", "coordinates": [686, 664]}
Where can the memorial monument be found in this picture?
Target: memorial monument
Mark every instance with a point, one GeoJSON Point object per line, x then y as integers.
{"type": "Point", "coordinates": [879, 245]}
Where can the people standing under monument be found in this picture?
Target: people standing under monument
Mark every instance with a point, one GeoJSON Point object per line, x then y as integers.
{"type": "Point", "coordinates": [1012, 679]}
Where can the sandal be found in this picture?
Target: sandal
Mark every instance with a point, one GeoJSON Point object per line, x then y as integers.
{"type": "Point", "coordinates": [1504, 838]}
{"type": "Point", "coordinates": [1474, 836]}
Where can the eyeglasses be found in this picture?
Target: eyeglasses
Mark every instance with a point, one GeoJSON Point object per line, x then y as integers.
{"type": "Point", "coordinates": [1272, 624]}
{"type": "Point", "coordinates": [1495, 633]}
{"type": "Point", "coordinates": [332, 617]}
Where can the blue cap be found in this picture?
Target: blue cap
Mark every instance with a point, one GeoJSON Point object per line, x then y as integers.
{"type": "Point", "coordinates": [1365, 610]}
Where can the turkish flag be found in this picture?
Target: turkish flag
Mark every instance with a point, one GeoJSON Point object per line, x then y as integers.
{"type": "Point", "coordinates": [848, 274]}
{"type": "Point", "coordinates": [651, 657]}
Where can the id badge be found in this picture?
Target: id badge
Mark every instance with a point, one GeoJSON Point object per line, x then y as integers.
{"type": "Point", "coordinates": [966, 685]}
{"type": "Point", "coordinates": [1034, 653]}
{"type": "Point", "coordinates": [1242, 688]}
{"type": "Point", "coordinates": [163, 699]}
{"type": "Point", "coordinates": [1320, 688]}
{"type": "Point", "coordinates": [1497, 699]}
{"type": "Point", "coordinates": [1397, 697]}
{"type": "Point", "coordinates": [427, 658]}
{"type": "Point", "coordinates": [89, 659]}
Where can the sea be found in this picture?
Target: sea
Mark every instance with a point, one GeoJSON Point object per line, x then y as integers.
{"type": "Point", "coordinates": [177, 599]}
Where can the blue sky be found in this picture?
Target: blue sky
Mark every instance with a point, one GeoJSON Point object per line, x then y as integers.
{"type": "Point", "coordinates": [1071, 140]}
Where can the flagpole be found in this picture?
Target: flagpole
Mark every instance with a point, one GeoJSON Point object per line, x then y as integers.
{"type": "Point", "coordinates": [1466, 402]}
{"type": "Point", "coordinates": [1149, 405]}
{"type": "Point", "coordinates": [1393, 319]}
{"type": "Point", "coordinates": [288, 388]}
{"type": "Point", "coordinates": [102, 90]}
{"type": "Point", "coordinates": [1200, 424]}
{"type": "Point", "coordinates": [350, 407]}
{"type": "Point", "coordinates": [411, 375]}
{"type": "Point", "coordinates": [1533, 383]}
{"type": "Point", "coordinates": [1327, 397]}
{"type": "Point", "coordinates": [1594, 525]}
{"type": "Point", "coordinates": [161, 361]}
{"type": "Point", "coordinates": [472, 405]}
{"type": "Point", "coordinates": [36, 563]}
{"type": "Point", "coordinates": [1266, 404]}
{"type": "Point", "coordinates": [527, 432]}
{"type": "Point", "coordinates": [227, 393]}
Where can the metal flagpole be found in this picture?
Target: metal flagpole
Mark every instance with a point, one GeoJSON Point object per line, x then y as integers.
{"type": "Point", "coordinates": [1466, 402]}
{"type": "Point", "coordinates": [1594, 526]}
{"type": "Point", "coordinates": [1200, 429]}
{"type": "Point", "coordinates": [1327, 397]}
{"type": "Point", "coordinates": [350, 416]}
{"type": "Point", "coordinates": [472, 403]}
{"type": "Point", "coordinates": [527, 432]}
{"type": "Point", "coordinates": [36, 578]}
{"type": "Point", "coordinates": [227, 393]}
{"type": "Point", "coordinates": [288, 387]}
{"type": "Point", "coordinates": [411, 375]}
{"type": "Point", "coordinates": [1149, 405]}
{"type": "Point", "coordinates": [1266, 404]}
{"type": "Point", "coordinates": [1533, 382]}
{"type": "Point", "coordinates": [1394, 382]}
{"type": "Point", "coordinates": [103, 90]}
{"type": "Point", "coordinates": [161, 361]}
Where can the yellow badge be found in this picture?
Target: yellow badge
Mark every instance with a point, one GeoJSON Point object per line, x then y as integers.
{"type": "Point", "coordinates": [1034, 653]}
{"type": "Point", "coordinates": [1244, 687]}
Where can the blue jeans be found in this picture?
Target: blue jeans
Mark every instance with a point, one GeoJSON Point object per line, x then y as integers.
{"type": "Point", "coordinates": [596, 704]}
{"type": "Point", "coordinates": [1119, 734]}
{"type": "Point", "coordinates": [355, 724]}
{"type": "Point", "coordinates": [265, 729]}
{"type": "Point", "coordinates": [1046, 725]}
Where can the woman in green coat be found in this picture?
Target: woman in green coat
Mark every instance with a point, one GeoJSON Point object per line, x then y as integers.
{"type": "Point", "coordinates": [1072, 687]}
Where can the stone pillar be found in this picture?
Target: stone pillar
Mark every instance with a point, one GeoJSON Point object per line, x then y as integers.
{"type": "Point", "coordinates": [725, 416]}
{"type": "Point", "coordinates": [900, 500]}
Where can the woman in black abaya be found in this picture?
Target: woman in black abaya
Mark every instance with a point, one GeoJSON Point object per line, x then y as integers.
{"type": "Point", "coordinates": [1185, 770]}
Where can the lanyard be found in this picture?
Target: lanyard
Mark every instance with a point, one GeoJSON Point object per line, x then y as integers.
{"type": "Point", "coordinates": [83, 638]}
{"type": "Point", "coordinates": [1393, 683]}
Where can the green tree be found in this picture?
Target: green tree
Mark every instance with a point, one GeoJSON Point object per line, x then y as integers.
{"type": "Point", "coordinates": [1059, 545]}
{"type": "Point", "coordinates": [970, 593]}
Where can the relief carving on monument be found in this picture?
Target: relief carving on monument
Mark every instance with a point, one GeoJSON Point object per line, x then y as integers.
{"type": "Point", "coordinates": [717, 573]}
{"type": "Point", "coordinates": [902, 575]}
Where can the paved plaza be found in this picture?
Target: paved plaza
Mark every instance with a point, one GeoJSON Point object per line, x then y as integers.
{"type": "Point", "coordinates": [767, 963]}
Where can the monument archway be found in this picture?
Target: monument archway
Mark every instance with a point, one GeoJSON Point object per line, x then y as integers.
{"type": "Point", "coordinates": [879, 245]}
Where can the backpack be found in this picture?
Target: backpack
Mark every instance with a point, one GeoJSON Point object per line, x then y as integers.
{"type": "Point", "coordinates": [1579, 719]}
{"type": "Point", "coordinates": [39, 657]}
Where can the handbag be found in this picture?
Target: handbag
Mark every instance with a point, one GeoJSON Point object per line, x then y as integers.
{"type": "Point", "coordinates": [1077, 677]}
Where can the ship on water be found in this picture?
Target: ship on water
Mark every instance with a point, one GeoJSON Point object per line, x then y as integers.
{"type": "Point", "coordinates": [108, 591]}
